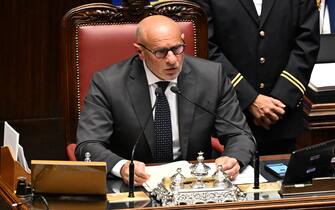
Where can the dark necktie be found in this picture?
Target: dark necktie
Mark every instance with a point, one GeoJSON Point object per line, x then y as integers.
{"type": "Point", "coordinates": [331, 11]}
{"type": "Point", "coordinates": [162, 127]}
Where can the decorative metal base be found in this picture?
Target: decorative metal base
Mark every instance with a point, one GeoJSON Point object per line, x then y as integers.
{"type": "Point", "coordinates": [178, 190]}
{"type": "Point", "coordinates": [189, 195]}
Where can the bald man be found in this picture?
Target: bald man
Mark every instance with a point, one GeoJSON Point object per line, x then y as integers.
{"type": "Point", "coordinates": [121, 98]}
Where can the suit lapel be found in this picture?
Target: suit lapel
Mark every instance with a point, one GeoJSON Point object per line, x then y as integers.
{"type": "Point", "coordinates": [139, 94]}
{"type": "Point", "coordinates": [140, 98]}
{"type": "Point", "coordinates": [266, 8]}
{"type": "Point", "coordinates": [187, 85]}
{"type": "Point", "coordinates": [251, 9]}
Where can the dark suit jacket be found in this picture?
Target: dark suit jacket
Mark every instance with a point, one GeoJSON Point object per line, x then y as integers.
{"type": "Point", "coordinates": [118, 104]}
{"type": "Point", "coordinates": [272, 54]}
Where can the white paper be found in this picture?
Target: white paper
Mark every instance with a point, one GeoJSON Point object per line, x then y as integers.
{"type": "Point", "coordinates": [157, 173]}
{"type": "Point", "coordinates": [11, 139]}
{"type": "Point", "coordinates": [245, 177]}
{"type": "Point", "coordinates": [22, 159]}
{"type": "Point", "coordinates": [323, 77]}
{"type": "Point", "coordinates": [167, 170]}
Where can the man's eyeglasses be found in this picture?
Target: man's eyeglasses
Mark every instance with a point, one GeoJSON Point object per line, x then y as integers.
{"type": "Point", "coordinates": [162, 52]}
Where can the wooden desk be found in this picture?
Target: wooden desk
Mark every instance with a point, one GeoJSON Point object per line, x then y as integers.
{"type": "Point", "coordinates": [311, 202]}
{"type": "Point", "coordinates": [8, 198]}
{"type": "Point", "coordinates": [319, 122]}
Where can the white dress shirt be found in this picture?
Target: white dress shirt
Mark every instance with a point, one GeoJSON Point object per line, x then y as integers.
{"type": "Point", "coordinates": [172, 99]}
{"type": "Point", "coordinates": [324, 18]}
{"type": "Point", "coordinates": [258, 5]}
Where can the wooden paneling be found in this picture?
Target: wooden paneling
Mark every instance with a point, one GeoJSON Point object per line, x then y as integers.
{"type": "Point", "coordinates": [30, 74]}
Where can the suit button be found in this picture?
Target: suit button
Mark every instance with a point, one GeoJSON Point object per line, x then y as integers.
{"type": "Point", "coordinates": [261, 85]}
{"type": "Point", "coordinates": [298, 104]}
{"type": "Point", "coordinates": [262, 34]}
{"type": "Point", "coordinates": [262, 60]}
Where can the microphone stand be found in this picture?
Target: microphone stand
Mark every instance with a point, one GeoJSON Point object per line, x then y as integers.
{"type": "Point", "coordinates": [176, 90]}
{"type": "Point", "coordinates": [256, 167]}
{"type": "Point", "coordinates": [131, 164]}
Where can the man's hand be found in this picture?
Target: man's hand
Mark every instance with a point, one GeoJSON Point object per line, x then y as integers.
{"type": "Point", "coordinates": [140, 175]}
{"type": "Point", "coordinates": [229, 165]}
{"type": "Point", "coordinates": [266, 110]}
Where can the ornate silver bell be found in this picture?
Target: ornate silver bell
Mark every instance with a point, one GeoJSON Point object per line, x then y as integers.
{"type": "Point", "coordinates": [177, 180]}
{"type": "Point", "coordinates": [220, 178]}
{"type": "Point", "coordinates": [199, 170]}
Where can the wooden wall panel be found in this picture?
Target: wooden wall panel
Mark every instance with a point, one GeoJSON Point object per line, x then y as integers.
{"type": "Point", "coordinates": [30, 74]}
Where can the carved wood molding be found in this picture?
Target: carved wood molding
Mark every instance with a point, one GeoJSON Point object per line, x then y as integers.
{"type": "Point", "coordinates": [133, 11]}
{"type": "Point", "coordinates": [176, 11]}
{"type": "Point", "coordinates": [102, 15]}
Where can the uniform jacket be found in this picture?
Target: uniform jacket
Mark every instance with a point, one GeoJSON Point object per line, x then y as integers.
{"type": "Point", "coordinates": [272, 54]}
{"type": "Point", "coordinates": [118, 103]}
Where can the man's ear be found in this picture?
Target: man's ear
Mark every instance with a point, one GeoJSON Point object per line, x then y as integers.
{"type": "Point", "coordinates": [138, 50]}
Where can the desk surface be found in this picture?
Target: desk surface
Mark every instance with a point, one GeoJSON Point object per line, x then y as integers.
{"type": "Point", "coordinates": [260, 200]}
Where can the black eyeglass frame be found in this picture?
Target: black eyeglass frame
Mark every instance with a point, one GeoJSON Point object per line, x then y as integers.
{"type": "Point", "coordinates": [166, 50]}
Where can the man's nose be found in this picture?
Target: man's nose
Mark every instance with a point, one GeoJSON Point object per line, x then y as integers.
{"type": "Point", "coordinates": [171, 58]}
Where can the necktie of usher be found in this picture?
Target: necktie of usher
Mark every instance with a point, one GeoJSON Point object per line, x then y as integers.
{"type": "Point", "coordinates": [331, 10]}
{"type": "Point", "coordinates": [162, 127]}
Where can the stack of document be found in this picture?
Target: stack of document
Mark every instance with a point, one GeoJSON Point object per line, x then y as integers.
{"type": "Point", "coordinates": [11, 140]}
{"type": "Point", "coordinates": [322, 78]}
{"type": "Point", "coordinates": [321, 87]}
{"type": "Point", "coordinates": [319, 103]}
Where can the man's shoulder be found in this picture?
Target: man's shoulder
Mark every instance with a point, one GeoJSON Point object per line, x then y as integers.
{"type": "Point", "coordinates": [121, 66]}
{"type": "Point", "coordinates": [201, 64]}
{"type": "Point", "coordinates": [118, 72]}
{"type": "Point", "coordinates": [200, 61]}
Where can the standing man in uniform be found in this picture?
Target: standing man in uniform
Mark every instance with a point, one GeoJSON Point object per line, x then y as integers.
{"type": "Point", "coordinates": [271, 47]}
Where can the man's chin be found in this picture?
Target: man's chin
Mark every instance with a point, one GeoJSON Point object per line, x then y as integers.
{"type": "Point", "coordinates": [171, 76]}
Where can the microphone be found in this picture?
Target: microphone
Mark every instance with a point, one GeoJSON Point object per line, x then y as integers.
{"type": "Point", "coordinates": [158, 91]}
{"type": "Point", "coordinates": [176, 90]}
